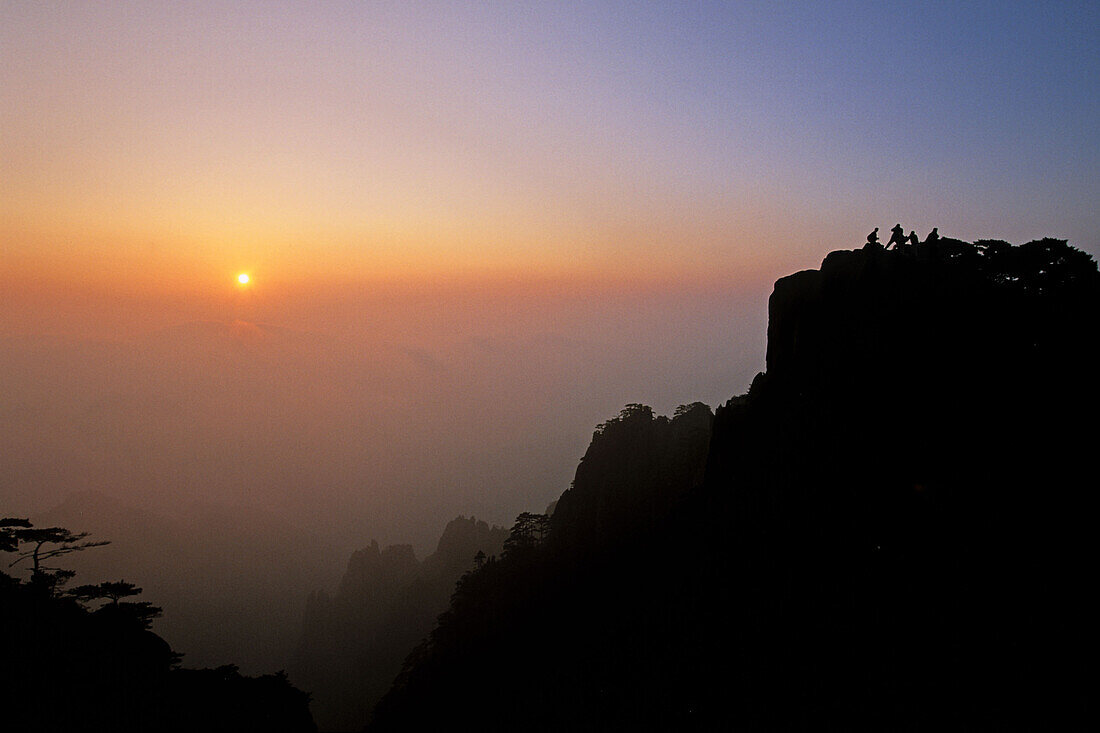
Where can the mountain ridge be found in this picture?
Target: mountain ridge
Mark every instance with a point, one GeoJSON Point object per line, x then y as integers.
{"type": "Point", "coordinates": [352, 641]}
{"type": "Point", "coordinates": [890, 531]}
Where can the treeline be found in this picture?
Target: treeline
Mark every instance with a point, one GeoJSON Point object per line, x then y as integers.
{"type": "Point", "coordinates": [85, 658]}
{"type": "Point", "coordinates": [891, 530]}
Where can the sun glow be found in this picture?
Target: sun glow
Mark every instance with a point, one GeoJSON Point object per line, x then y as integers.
{"type": "Point", "coordinates": [243, 278]}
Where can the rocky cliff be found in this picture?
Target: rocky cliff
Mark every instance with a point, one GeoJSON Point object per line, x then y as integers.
{"type": "Point", "coordinates": [893, 530]}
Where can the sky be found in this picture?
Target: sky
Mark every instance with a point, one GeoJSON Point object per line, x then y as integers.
{"type": "Point", "coordinates": [515, 217]}
{"type": "Point", "coordinates": [162, 147]}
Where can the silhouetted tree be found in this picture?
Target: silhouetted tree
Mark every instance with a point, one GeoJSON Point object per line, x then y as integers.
{"type": "Point", "coordinates": [140, 612]}
{"type": "Point", "coordinates": [527, 533]}
{"type": "Point", "coordinates": [66, 667]}
{"type": "Point", "coordinates": [9, 541]}
{"type": "Point", "coordinates": [38, 538]}
{"type": "Point", "coordinates": [111, 591]}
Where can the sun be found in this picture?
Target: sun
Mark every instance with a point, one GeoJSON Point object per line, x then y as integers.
{"type": "Point", "coordinates": [243, 278]}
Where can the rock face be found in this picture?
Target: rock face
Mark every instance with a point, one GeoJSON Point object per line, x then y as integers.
{"type": "Point", "coordinates": [353, 643]}
{"type": "Point", "coordinates": [893, 531]}
{"type": "Point", "coordinates": [904, 486]}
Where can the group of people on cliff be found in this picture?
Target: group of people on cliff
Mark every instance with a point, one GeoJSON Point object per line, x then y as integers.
{"type": "Point", "coordinates": [899, 240]}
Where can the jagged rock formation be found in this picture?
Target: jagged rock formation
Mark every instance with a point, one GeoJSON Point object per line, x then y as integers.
{"type": "Point", "coordinates": [353, 643]}
{"type": "Point", "coordinates": [893, 531]}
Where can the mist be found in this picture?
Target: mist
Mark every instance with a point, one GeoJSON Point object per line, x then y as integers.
{"type": "Point", "coordinates": [356, 418]}
{"type": "Point", "coordinates": [384, 419]}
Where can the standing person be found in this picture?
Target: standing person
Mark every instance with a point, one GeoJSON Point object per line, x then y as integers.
{"type": "Point", "coordinates": [897, 236]}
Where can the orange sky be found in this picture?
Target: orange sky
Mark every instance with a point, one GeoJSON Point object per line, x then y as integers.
{"type": "Point", "coordinates": [153, 151]}
{"type": "Point", "coordinates": [532, 199]}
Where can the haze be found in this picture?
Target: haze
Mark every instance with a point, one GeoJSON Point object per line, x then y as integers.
{"type": "Point", "coordinates": [404, 411]}
{"type": "Point", "coordinates": [473, 232]}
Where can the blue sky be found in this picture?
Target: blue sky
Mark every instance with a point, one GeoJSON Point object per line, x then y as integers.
{"type": "Point", "coordinates": [544, 139]}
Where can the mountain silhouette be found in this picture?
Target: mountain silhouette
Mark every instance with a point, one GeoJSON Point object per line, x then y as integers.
{"type": "Point", "coordinates": [890, 531]}
{"type": "Point", "coordinates": [353, 642]}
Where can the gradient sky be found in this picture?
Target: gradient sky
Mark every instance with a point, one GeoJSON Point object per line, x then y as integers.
{"type": "Point", "coordinates": [156, 149]}
{"type": "Point", "coordinates": [475, 231]}
{"type": "Point", "coordinates": [508, 220]}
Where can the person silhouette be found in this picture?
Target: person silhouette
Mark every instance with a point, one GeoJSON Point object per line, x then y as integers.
{"type": "Point", "coordinates": [897, 236]}
{"type": "Point", "coordinates": [913, 240]}
{"type": "Point", "coordinates": [872, 238]}
{"type": "Point", "coordinates": [933, 236]}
